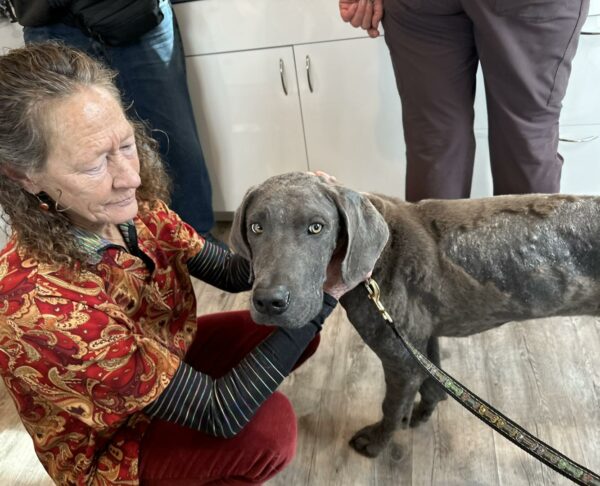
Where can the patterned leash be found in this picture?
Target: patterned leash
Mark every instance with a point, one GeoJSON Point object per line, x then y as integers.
{"type": "Point", "coordinates": [488, 414]}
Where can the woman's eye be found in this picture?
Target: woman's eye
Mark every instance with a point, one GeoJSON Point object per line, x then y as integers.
{"type": "Point", "coordinates": [256, 228]}
{"type": "Point", "coordinates": [128, 147]}
{"type": "Point", "coordinates": [97, 169]}
{"type": "Point", "coordinates": [315, 228]}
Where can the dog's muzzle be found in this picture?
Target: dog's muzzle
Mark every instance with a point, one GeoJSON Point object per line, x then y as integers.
{"type": "Point", "coordinates": [272, 301]}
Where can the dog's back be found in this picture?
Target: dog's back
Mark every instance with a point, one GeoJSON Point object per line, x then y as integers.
{"type": "Point", "coordinates": [483, 262]}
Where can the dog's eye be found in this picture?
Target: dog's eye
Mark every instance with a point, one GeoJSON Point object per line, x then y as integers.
{"type": "Point", "coordinates": [256, 228]}
{"type": "Point", "coordinates": [315, 228]}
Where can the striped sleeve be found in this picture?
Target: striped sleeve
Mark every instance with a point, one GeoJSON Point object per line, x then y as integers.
{"type": "Point", "coordinates": [223, 406]}
{"type": "Point", "coordinates": [220, 268]}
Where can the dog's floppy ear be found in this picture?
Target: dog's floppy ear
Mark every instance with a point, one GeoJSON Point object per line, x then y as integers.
{"type": "Point", "coordinates": [366, 233]}
{"type": "Point", "coordinates": [238, 238]}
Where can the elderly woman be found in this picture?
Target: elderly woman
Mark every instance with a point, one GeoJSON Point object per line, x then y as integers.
{"type": "Point", "coordinates": [113, 376]}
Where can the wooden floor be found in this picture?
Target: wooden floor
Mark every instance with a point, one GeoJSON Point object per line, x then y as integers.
{"type": "Point", "coordinates": [543, 374]}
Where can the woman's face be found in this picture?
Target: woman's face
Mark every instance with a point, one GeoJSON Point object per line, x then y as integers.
{"type": "Point", "coordinates": [93, 166]}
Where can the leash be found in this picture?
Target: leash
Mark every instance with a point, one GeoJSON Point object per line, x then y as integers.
{"type": "Point", "coordinates": [485, 412]}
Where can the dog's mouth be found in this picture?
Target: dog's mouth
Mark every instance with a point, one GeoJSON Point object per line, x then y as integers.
{"type": "Point", "coordinates": [287, 314]}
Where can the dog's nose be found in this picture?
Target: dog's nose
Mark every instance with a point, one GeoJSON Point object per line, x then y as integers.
{"type": "Point", "coordinates": [271, 301]}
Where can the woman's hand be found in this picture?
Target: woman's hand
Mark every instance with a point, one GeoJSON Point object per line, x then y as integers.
{"type": "Point", "coordinates": [334, 283]}
{"type": "Point", "coordinates": [328, 178]}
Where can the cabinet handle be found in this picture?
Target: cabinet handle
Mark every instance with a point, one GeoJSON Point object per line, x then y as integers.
{"type": "Point", "coordinates": [308, 74]}
{"type": "Point", "coordinates": [578, 140]}
{"type": "Point", "coordinates": [282, 75]}
{"type": "Point", "coordinates": [589, 32]}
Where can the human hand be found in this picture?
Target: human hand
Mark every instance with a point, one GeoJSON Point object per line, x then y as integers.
{"type": "Point", "coordinates": [328, 178]}
{"type": "Point", "coordinates": [363, 13]}
{"type": "Point", "coordinates": [334, 284]}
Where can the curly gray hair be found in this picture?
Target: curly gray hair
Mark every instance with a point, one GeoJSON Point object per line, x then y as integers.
{"type": "Point", "coordinates": [32, 78]}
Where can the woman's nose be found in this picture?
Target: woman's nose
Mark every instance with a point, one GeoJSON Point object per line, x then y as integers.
{"type": "Point", "coordinates": [126, 174]}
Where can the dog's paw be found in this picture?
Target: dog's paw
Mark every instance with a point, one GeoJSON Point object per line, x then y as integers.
{"type": "Point", "coordinates": [370, 440]}
{"type": "Point", "coordinates": [421, 413]}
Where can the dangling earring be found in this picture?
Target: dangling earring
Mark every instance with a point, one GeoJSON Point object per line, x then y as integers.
{"type": "Point", "coordinates": [44, 206]}
{"type": "Point", "coordinates": [56, 208]}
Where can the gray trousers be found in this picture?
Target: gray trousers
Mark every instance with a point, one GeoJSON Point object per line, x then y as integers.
{"type": "Point", "coordinates": [525, 48]}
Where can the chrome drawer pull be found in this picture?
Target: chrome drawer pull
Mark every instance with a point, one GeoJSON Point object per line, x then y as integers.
{"type": "Point", "coordinates": [578, 140]}
{"type": "Point", "coordinates": [282, 75]}
{"type": "Point", "coordinates": [308, 74]}
{"type": "Point", "coordinates": [590, 32]}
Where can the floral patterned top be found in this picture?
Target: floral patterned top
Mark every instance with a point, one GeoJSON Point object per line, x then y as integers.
{"type": "Point", "coordinates": [82, 355]}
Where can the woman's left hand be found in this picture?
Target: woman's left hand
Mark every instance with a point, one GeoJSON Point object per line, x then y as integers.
{"type": "Point", "coordinates": [334, 283]}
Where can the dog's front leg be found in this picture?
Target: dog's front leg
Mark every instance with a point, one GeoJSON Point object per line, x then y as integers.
{"type": "Point", "coordinates": [403, 379]}
{"type": "Point", "coordinates": [403, 375]}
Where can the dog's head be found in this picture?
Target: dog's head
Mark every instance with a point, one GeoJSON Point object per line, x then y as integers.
{"type": "Point", "coordinates": [289, 227]}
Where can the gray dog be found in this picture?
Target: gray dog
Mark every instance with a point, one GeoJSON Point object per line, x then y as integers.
{"type": "Point", "coordinates": [445, 268]}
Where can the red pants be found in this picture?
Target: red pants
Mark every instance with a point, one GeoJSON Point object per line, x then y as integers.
{"type": "Point", "coordinates": [171, 455]}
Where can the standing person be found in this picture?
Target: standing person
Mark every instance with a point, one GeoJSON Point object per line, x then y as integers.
{"type": "Point", "coordinates": [140, 40]}
{"type": "Point", "coordinates": [112, 374]}
{"type": "Point", "coordinates": [525, 49]}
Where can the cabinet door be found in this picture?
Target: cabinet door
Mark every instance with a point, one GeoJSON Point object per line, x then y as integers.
{"type": "Point", "coordinates": [580, 147]}
{"type": "Point", "coordinates": [249, 127]}
{"type": "Point", "coordinates": [581, 105]}
{"type": "Point", "coordinates": [352, 116]}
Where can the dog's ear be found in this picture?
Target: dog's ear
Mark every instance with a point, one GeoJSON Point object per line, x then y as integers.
{"type": "Point", "coordinates": [238, 238]}
{"type": "Point", "coordinates": [366, 233]}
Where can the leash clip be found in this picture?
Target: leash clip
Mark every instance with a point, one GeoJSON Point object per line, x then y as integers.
{"type": "Point", "coordinates": [374, 293]}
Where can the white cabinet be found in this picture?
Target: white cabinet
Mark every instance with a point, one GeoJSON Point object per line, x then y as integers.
{"type": "Point", "coordinates": [329, 106]}
{"type": "Point", "coordinates": [352, 116]}
{"type": "Point", "coordinates": [249, 127]}
{"type": "Point", "coordinates": [580, 116]}
{"type": "Point", "coordinates": [581, 169]}
{"type": "Point", "coordinates": [341, 113]}
{"type": "Point", "coordinates": [581, 105]}
{"type": "Point", "coordinates": [211, 26]}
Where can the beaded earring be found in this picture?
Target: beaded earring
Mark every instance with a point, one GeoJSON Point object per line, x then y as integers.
{"type": "Point", "coordinates": [44, 206]}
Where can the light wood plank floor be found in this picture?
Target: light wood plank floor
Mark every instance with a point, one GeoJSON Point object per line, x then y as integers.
{"type": "Point", "coordinates": [543, 374]}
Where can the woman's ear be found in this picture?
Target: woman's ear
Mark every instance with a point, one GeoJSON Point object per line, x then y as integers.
{"type": "Point", "coordinates": [23, 180]}
{"type": "Point", "coordinates": [30, 186]}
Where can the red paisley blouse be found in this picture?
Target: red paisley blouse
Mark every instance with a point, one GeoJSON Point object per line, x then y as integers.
{"type": "Point", "coordinates": [82, 355]}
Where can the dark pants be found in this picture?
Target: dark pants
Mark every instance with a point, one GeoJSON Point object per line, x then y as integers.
{"type": "Point", "coordinates": [171, 455]}
{"type": "Point", "coordinates": [152, 75]}
{"type": "Point", "coordinates": [525, 49]}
